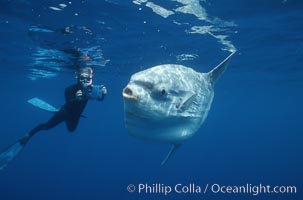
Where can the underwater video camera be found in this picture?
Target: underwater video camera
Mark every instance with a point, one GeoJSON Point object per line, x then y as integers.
{"type": "Point", "coordinates": [94, 92]}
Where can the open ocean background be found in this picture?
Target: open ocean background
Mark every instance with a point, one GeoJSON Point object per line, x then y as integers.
{"type": "Point", "coordinates": [253, 133]}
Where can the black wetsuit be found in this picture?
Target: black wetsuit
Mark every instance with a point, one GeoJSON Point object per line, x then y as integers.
{"type": "Point", "coordinates": [70, 112]}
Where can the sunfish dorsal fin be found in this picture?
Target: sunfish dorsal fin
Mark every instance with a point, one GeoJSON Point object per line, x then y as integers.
{"type": "Point", "coordinates": [216, 72]}
{"type": "Point", "coordinates": [171, 151]}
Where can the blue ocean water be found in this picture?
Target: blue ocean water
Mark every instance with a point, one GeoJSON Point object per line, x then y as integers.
{"type": "Point", "coordinates": [252, 136]}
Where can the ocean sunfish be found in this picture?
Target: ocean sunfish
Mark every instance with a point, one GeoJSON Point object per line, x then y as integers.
{"type": "Point", "coordinates": [168, 103]}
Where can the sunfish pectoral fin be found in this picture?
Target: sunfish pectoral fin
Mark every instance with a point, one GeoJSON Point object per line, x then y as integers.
{"type": "Point", "coordinates": [171, 151]}
{"type": "Point", "coordinates": [42, 105]}
{"type": "Point", "coordinates": [216, 72]}
{"type": "Point", "coordinates": [187, 102]}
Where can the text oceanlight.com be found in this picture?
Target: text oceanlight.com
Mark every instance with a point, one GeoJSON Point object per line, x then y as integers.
{"type": "Point", "coordinates": [193, 188]}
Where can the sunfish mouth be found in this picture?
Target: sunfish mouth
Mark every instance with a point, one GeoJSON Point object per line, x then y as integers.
{"type": "Point", "coordinates": [128, 94]}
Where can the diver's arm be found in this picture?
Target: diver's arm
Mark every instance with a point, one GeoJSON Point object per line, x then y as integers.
{"type": "Point", "coordinates": [73, 93]}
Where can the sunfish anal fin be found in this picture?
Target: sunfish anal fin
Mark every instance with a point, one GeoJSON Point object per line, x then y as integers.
{"type": "Point", "coordinates": [171, 151]}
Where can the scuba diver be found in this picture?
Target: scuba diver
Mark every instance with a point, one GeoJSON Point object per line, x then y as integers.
{"type": "Point", "coordinates": [76, 97]}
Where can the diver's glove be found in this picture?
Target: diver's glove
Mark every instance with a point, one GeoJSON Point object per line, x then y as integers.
{"type": "Point", "coordinates": [103, 91]}
{"type": "Point", "coordinates": [79, 95]}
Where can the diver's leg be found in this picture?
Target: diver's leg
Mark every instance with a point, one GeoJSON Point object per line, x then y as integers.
{"type": "Point", "coordinates": [30, 134]}
{"type": "Point", "coordinates": [71, 124]}
{"type": "Point", "coordinates": [72, 121]}
{"type": "Point", "coordinates": [52, 122]}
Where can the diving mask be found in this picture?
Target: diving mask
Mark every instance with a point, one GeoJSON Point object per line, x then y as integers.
{"type": "Point", "coordinates": [85, 78]}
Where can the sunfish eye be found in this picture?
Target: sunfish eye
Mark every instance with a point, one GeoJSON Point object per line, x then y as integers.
{"type": "Point", "coordinates": [163, 92]}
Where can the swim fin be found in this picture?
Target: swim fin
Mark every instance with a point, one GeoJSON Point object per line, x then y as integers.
{"type": "Point", "coordinates": [42, 105]}
{"type": "Point", "coordinates": [12, 151]}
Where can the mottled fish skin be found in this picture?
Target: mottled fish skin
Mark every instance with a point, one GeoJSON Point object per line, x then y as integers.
{"type": "Point", "coordinates": [168, 103]}
{"type": "Point", "coordinates": [172, 102]}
